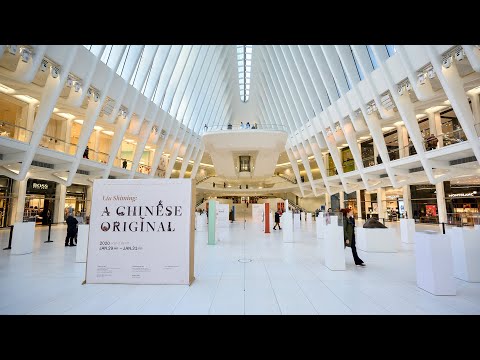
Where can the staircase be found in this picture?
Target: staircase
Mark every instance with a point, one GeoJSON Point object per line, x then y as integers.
{"type": "Point", "coordinates": [204, 178]}
{"type": "Point", "coordinates": [294, 206]}
{"type": "Point", "coordinates": [288, 178]}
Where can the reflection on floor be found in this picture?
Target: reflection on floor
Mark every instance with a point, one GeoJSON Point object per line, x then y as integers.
{"type": "Point", "coordinates": [282, 278]}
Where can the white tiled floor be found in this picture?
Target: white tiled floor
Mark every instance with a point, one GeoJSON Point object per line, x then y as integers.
{"type": "Point", "coordinates": [282, 278]}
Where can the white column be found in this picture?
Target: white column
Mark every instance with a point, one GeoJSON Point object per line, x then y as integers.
{"type": "Point", "coordinates": [407, 202]}
{"type": "Point", "coordinates": [68, 138]}
{"type": "Point", "coordinates": [341, 196]}
{"type": "Point", "coordinates": [359, 205]}
{"type": "Point", "coordinates": [60, 194]}
{"type": "Point", "coordinates": [438, 128]}
{"type": "Point", "coordinates": [442, 209]}
{"type": "Point", "coordinates": [19, 188]}
{"type": "Point", "coordinates": [401, 142]}
{"type": "Point", "coordinates": [88, 205]}
{"type": "Point", "coordinates": [380, 199]}
{"type": "Point", "coordinates": [375, 153]}
{"type": "Point", "coordinates": [475, 98]}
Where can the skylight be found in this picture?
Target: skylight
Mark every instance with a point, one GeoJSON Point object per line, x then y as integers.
{"type": "Point", "coordinates": [244, 62]}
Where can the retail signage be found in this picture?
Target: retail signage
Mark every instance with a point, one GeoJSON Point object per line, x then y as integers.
{"type": "Point", "coordinates": [40, 186]}
{"type": "Point", "coordinates": [473, 193]}
{"type": "Point", "coordinates": [141, 232]}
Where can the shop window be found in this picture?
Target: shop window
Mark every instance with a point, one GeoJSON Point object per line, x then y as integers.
{"type": "Point", "coordinates": [244, 163]}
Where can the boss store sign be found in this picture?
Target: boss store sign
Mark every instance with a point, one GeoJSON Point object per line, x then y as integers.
{"type": "Point", "coordinates": [35, 186]}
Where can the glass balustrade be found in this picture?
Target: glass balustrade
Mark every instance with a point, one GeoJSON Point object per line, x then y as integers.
{"type": "Point", "coordinates": [15, 132]}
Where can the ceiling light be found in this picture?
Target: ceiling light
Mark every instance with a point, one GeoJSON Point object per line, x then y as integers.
{"type": "Point", "coordinates": [69, 81]}
{"type": "Point", "coordinates": [44, 65]}
{"type": "Point", "coordinates": [26, 98]}
{"type": "Point", "coordinates": [447, 102]}
{"type": "Point", "coordinates": [148, 147]}
{"type": "Point", "coordinates": [6, 89]}
{"type": "Point", "coordinates": [12, 49]}
{"type": "Point", "coordinates": [344, 144]}
{"type": "Point", "coordinates": [387, 128]}
{"type": "Point", "coordinates": [108, 132]}
{"type": "Point", "coordinates": [446, 62]}
{"type": "Point", "coordinates": [369, 110]}
{"type": "Point", "coordinates": [364, 137]}
{"type": "Point", "coordinates": [418, 116]}
{"type": "Point", "coordinates": [129, 140]}
{"type": "Point", "coordinates": [96, 96]}
{"type": "Point", "coordinates": [421, 78]}
{"type": "Point", "coordinates": [459, 54]}
{"type": "Point", "coordinates": [78, 121]}
{"type": "Point", "coordinates": [55, 72]}
{"type": "Point", "coordinates": [77, 85]}
{"type": "Point", "coordinates": [431, 73]}
{"type": "Point", "coordinates": [399, 123]}
{"type": "Point", "coordinates": [435, 109]}
{"type": "Point", "coordinates": [400, 90]}
{"type": "Point", "coordinates": [25, 54]}
{"type": "Point", "coordinates": [96, 127]}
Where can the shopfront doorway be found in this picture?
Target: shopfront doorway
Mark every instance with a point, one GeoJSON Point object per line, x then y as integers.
{"type": "Point", "coordinates": [40, 201]}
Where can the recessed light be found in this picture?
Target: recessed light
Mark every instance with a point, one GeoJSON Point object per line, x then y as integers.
{"type": "Point", "coordinates": [78, 121]}
{"type": "Point", "coordinates": [387, 128]}
{"type": "Point", "coordinates": [364, 137]}
{"type": "Point", "coordinates": [98, 127]}
{"type": "Point", "coordinates": [398, 123]}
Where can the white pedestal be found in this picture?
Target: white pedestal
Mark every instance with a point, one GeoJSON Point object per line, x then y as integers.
{"type": "Point", "coordinates": [376, 240]}
{"type": "Point", "coordinates": [333, 244]}
{"type": "Point", "coordinates": [296, 221]}
{"type": "Point", "coordinates": [309, 217]}
{"type": "Point", "coordinates": [476, 227]}
{"type": "Point", "coordinates": [82, 243]}
{"type": "Point", "coordinates": [320, 225]}
{"type": "Point", "coordinates": [22, 238]}
{"type": "Point", "coordinates": [407, 230]}
{"type": "Point", "coordinates": [465, 245]}
{"type": "Point", "coordinates": [434, 263]}
{"type": "Point", "coordinates": [287, 227]}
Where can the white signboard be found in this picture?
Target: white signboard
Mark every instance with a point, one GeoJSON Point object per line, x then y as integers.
{"type": "Point", "coordinates": [257, 213]}
{"type": "Point", "coordinates": [222, 215]}
{"type": "Point", "coordinates": [141, 232]}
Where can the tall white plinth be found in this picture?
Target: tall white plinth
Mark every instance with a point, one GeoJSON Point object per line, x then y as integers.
{"type": "Point", "coordinates": [477, 227]}
{"type": "Point", "coordinates": [82, 243]}
{"type": "Point", "coordinates": [434, 263]}
{"type": "Point", "coordinates": [296, 221]}
{"type": "Point", "coordinates": [309, 217]}
{"type": "Point", "coordinates": [407, 230]}
{"type": "Point", "coordinates": [466, 253]}
{"type": "Point", "coordinates": [376, 240]}
{"type": "Point", "coordinates": [320, 225]}
{"type": "Point", "coordinates": [22, 238]}
{"type": "Point", "coordinates": [287, 226]}
{"type": "Point", "coordinates": [333, 245]}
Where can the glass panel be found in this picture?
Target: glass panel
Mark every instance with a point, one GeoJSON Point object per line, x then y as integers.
{"type": "Point", "coordinates": [359, 71]}
{"type": "Point", "coordinates": [391, 49]}
{"type": "Point", "coordinates": [372, 57]}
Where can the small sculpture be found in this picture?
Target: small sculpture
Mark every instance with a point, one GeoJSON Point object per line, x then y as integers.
{"type": "Point", "coordinates": [373, 223]}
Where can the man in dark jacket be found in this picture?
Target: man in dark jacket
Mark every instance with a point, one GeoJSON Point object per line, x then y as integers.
{"type": "Point", "coordinates": [277, 220]}
{"type": "Point", "coordinates": [71, 230]}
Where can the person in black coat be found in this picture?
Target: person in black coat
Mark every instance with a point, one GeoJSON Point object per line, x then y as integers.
{"type": "Point", "coordinates": [71, 230]}
{"type": "Point", "coordinates": [277, 220]}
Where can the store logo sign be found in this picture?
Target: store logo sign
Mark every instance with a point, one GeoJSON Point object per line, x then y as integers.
{"type": "Point", "coordinates": [40, 186]}
{"type": "Point", "coordinates": [473, 193]}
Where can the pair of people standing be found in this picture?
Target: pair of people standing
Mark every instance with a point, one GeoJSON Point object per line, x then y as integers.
{"type": "Point", "coordinates": [349, 234]}
{"type": "Point", "coordinates": [71, 238]}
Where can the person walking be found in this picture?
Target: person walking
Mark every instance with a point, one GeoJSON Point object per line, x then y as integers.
{"type": "Point", "coordinates": [124, 164]}
{"type": "Point", "coordinates": [85, 153]}
{"type": "Point", "coordinates": [71, 230]}
{"type": "Point", "coordinates": [277, 220]}
{"type": "Point", "coordinates": [349, 234]}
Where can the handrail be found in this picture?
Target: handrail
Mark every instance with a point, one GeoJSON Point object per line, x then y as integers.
{"type": "Point", "coordinates": [230, 127]}
{"type": "Point", "coordinates": [204, 178]}
{"type": "Point", "coordinates": [293, 181]}
{"type": "Point", "coordinates": [23, 134]}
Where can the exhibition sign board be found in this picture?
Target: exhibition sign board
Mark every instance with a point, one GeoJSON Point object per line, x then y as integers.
{"type": "Point", "coordinates": [141, 231]}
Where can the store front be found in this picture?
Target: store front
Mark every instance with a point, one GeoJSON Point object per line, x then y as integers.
{"type": "Point", "coordinates": [462, 203]}
{"type": "Point", "coordinates": [75, 201]}
{"type": "Point", "coordinates": [350, 202]}
{"type": "Point", "coordinates": [40, 201]}
{"type": "Point", "coordinates": [393, 204]}
{"type": "Point", "coordinates": [369, 204]}
{"type": "Point", "coordinates": [424, 203]}
{"type": "Point", "coordinates": [5, 199]}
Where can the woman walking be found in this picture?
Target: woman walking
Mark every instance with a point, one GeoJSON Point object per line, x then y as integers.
{"type": "Point", "coordinates": [349, 234]}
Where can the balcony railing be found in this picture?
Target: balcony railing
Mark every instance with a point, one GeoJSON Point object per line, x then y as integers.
{"type": "Point", "coordinates": [98, 156]}
{"type": "Point", "coordinates": [123, 163]}
{"type": "Point", "coordinates": [15, 132]}
{"type": "Point", "coordinates": [270, 127]}
{"type": "Point", "coordinates": [56, 144]}
{"type": "Point", "coordinates": [463, 219]}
